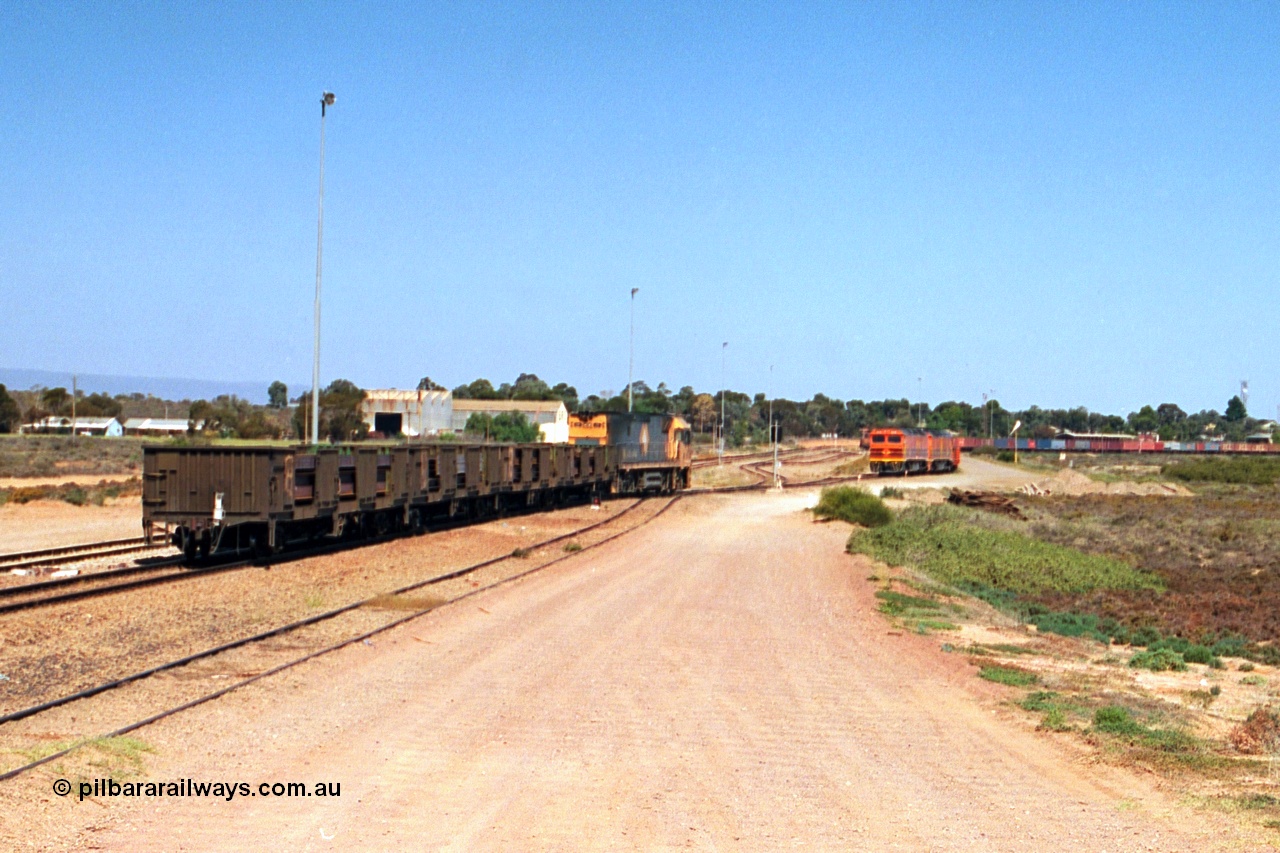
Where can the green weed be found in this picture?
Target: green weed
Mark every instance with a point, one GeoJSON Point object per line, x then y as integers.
{"type": "Point", "coordinates": [1012, 676]}
{"type": "Point", "coordinates": [854, 506]}
{"type": "Point", "coordinates": [1158, 660]}
{"type": "Point", "coordinates": [951, 545]}
{"type": "Point", "coordinates": [1116, 720]}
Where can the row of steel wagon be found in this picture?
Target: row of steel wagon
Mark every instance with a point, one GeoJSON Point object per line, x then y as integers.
{"type": "Point", "coordinates": [260, 499]}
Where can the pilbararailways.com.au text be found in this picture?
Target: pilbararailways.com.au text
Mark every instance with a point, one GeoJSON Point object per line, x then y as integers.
{"type": "Point", "coordinates": [190, 788]}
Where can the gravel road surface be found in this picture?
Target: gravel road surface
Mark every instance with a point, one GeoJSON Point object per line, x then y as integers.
{"type": "Point", "coordinates": [718, 680]}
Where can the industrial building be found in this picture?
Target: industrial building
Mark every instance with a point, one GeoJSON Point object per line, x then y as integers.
{"type": "Point", "coordinates": [392, 413]}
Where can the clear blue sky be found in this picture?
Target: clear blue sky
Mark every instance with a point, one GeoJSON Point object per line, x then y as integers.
{"type": "Point", "coordinates": [1067, 203]}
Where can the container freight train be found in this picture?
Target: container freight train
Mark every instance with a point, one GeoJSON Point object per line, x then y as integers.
{"type": "Point", "coordinates": [912, 451]}
{"type": "Point", "coordinates": [207, 500]}
{"type": "Point", "coordinates": [1121, 444]}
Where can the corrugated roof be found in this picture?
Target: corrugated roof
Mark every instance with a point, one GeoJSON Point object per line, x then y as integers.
{"type": "Point", "coordinates": [507, 405]}
{"type": "Point", "coordinates": [159, 424]}
{"type": "Point", "coordinates": [408, 396]}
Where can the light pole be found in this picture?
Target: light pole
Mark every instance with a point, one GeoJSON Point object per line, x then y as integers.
{"type": "Point", "coordinates": [772, 437]}
{"type": "Point", "coordinates": [724, 346]}
{"type": "Point", "coordinates": [1013, 439]}
{"type": "Point", "coordinates": [631, 365]}
{"type": "Point", "coordinates": [326, 100]}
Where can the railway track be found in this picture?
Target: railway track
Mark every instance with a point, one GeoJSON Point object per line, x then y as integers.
{"type": "Point", "coordinates": [328, 616]}
{"type": "Point", "coordinates": [165, 570]}
{"type": "Point", "coordinates": [75, 553]}
{"type": "Point", "coordinates": [58, 592]}
{"type": "Point", "coordinates": [171, 570]}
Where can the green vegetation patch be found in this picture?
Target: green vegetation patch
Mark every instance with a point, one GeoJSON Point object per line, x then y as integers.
{"type": "Point", "coordinates": [854, 506]}
{"type": "Point", "coordinates": [900, 604]}
{"type": "Point", "coordinates": [1116, 720]}
{"type": "Point", "coordinates": [955, 546]}
{"type": "Point", "coordinates": [1249, 470]}
{"type": "Point", "coordinates": [1010, 675]}
{"type": "Point", "coordinates": [1158, 660]}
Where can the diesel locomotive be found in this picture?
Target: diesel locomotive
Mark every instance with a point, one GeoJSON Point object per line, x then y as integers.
{"type": "Point", "coordinates": [913, 451]}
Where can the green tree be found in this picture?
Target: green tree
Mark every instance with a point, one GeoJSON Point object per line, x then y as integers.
{"type": "Point", "coordinates": [1235, 410]}
{"type": "Point", "coordinates": [99, 406]}
{"type": "Point", "coordinates": [10, 416]}
{"type": "Point", "coordinates": [56, 400]}
{"type": "Point", "coordinates": [425, 384]}
{"type": "Point", "coordinates": [340, 406]}
{"type": "Point", "coordinates": [529, 387]}
{"type": "Point", "coordinates": [278, 395]}
{"type": "Point", "coordinates": [480, 389]}
{"type": "Point", "coordinates": [1144, 420]}
{"type": "Point", "coordinates": [340, 417]}
{"type": "Point", "coordinates": [507, 426]}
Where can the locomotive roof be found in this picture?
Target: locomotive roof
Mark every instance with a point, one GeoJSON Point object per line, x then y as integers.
{"type": "Point", "coordinates": [940, 433]}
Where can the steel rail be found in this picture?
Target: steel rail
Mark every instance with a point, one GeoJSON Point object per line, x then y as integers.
{"type": "Point", "coordinates": [84, 694]}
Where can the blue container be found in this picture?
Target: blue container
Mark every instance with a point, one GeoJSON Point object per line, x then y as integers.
{"type": "Point", "coordinates": [1044, 444]}
{"type": "Point", "coordinates": [1057, 444]}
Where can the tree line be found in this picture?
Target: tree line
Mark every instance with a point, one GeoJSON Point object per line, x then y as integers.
{"type": "Point", "coordinates": [746, 417]}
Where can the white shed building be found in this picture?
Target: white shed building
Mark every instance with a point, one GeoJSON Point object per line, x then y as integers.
{"type": "Point", "coordinates": [157, 427]}
{"type": "Point", "coordinates": [108, 427]}
{"type": "Point", "coordinates": [413, 413]}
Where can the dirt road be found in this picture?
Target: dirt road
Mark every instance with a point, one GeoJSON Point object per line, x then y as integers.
{"type": "Point", "coordinates": [719, 680]}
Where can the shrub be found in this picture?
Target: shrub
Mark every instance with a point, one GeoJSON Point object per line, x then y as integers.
{"type": "Point", "coordinates": [854, 506]}
{"type": "Point", "coordinates": [1004, 456]}
{"type": "Point", "coordinates": [1012, 676]}
{"type": "Point", "coordinates": [1116, 720]}
{"type": "Point", "coordinates": [891, 492]}
{"type": "Point", "coordinates": [1158, 660]}
{"type": "Point", "coordinates": [1069, 625]}
{"type": "Point", "coordinates": [1258, 734]}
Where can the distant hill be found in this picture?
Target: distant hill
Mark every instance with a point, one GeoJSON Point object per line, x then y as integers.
{"type": "Point", "coordinates": [167, 388]}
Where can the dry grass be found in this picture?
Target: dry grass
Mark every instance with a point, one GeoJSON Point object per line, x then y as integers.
{"type": "Point", "coordinates": [52, 455]}
{"type": "Point", "coordinates": [1215, 554]}
{"type": "Point", "coordinates": [405, 602]}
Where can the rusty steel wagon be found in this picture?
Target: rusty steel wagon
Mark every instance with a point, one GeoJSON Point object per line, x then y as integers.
{"type": "Point", "coordinates": [210, 499]}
